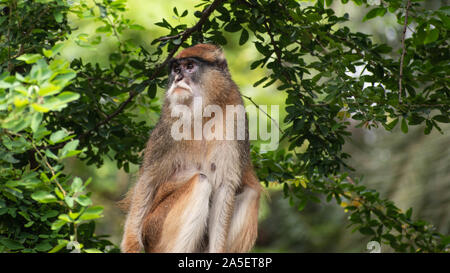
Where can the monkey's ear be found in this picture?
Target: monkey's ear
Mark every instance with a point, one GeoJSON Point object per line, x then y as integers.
{"type": "Point", "coordinates": [223, 65]}
{"type": "Point", "coordinates": [220, 60]}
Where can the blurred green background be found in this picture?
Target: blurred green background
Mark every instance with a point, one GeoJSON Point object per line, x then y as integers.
{"type": "Point", "coordinates": [413, 170]}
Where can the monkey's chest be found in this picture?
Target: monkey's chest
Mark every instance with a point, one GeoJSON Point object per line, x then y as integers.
{"type": "Point", "coordinates": [219, 161]}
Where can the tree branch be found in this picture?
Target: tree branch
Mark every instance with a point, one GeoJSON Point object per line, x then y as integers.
{"type": "Point", "coordinates": [276, 49]}
{"type": "Point", "coordinates": [403, 52]}
{"type": "Point", "coordinates": [184, 36]}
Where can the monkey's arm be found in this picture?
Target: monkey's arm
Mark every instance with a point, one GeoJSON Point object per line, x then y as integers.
{"type": "Point", "coordinates": [244, 222]}
{"type": "Point", "coordinates": [178, 218]}
{"type": "Point", "coordinates": [233, 222]}
{"type": "Point", "coordinates": [131, 241]}
{"type": "Point", "coordinates": [219, 219]}
{"type": "Point", "coordinates": [152, 174]}
{"type": "Point", "coordinates": [226, 179]}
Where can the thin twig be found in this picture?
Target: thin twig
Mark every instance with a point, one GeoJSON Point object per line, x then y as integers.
{"type": "Point", "coordinates": [186, 33]}
{"type": "Point", "coordinates": [43, 158]}
{"type": "Point", "coordinates": [165, 38]}
{"type": "Point", "coordinates": [276, 49]}
{"type": "Point", "coordinates": [272, 41]}
{"type": "Point", "coordinates": [9, 40]}
{"type": "Point", "coordinates": [259, 108]}
{"type": "Point", "coordinates": [403, 52]}
{"type": "Point", "coordinates": [113, 26]}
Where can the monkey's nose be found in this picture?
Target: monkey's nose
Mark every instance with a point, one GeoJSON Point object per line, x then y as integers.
{"type": "Point", "coordinates": [202, 177]}
{"type": "Point", "coordinates": [178, 77]}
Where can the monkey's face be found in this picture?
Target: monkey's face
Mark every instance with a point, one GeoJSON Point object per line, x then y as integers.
{"type": "Point", "coordinates": [184, 80]}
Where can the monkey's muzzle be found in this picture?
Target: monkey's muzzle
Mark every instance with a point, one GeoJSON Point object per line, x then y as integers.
{"type": "Point", "coordinates": [181, 88]}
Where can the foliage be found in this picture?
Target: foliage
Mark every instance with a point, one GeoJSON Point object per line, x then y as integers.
{"type": "Point", "coordinates": [43, 209]}
{"type": "Point", "coordinates": [41, 206]}
{"type": "Point", "coordinates": [50, 110]}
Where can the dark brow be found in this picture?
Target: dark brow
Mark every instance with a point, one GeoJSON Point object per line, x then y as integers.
{"type": "Point", "coordinates": [174, 61]}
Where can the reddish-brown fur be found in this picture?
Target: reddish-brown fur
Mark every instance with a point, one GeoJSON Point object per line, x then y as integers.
{"type": "Point", "coordinates": [246, 239]}
{"type": "Point", "coordinates": [207, 52]}
{"type": "Point", "coordinates": [162, 196]}
{"type": "Point", "coordinates": [169, 203]}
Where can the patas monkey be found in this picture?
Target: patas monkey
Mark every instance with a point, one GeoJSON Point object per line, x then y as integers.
{"type": "Point", "coordinates": [194, 195]}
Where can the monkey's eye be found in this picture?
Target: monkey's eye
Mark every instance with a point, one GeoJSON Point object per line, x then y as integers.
{"type": "Point", "coordinates": [176, 69]}
{"type": "Point", "coordinates": [190, 66]}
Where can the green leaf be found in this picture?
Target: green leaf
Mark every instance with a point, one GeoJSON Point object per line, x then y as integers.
{"type": "Point", "coordinates": [58, 136]}
{"type": "Point", "coordinates": [432, 35]}
{"type": "Point", "coordinates": [61, 244]}
{"type": "Point", "coordinates": [92, 250]}
{"type": "Point", "coordinates": [69, 201]}
{"type": "Point", "coordinates": [40, 133]}
{"type": "Point", "coordinates": [136, 27]}
{"type": "Point", "coordinates": [391, 125]}
{"type": "Point", "coordinates": [441, 118]}
{"type": "Point", "coordinates": [65, 218]}
{"type": "Point", "coordinates": [219, 38]}
{"type": "Point", "coordinates": [103, 29]}
{"type": "Point", "coordinates": [366, 231]}
{"type": "Point", "coordinates": [47, 53]}
{"type": "Point", "coordinates": [40, 108]}
{"type": "Point", "coordinates": [198, 14]}
{"type": "Point", "coordinates": [259, 82]}
{"type": "Point", "coordinates": [233, 26]}
{"type": "Point", "coordinates": [84, 200]}
{"type": "Point", "coordinates": [66, 97]}
{"type": "Point", "coordinates": [49, 89]}
{"type": "Point", "coordinates": [383, 48]}
{"type": "Point", "coordinates": [50, 154]}
{"type": "Point", "coordinates": [69, 147]}
{"type": "Point", "coordinates": [71, 153]}
{"type": "Point", "coordinates": [59, 193]}
{"type": "Point", "coordinates": [30, 58]}
{"type": "Point", "coordinates": [244, 37]}
{"type": "Point", "coordinates": [10, 244]}
{"type": "Point", "coordinates": [58, 16]}
{"type": "Point", "coordinates": [97, 40]}
{"type": "Point", "coordinates": [137, 64]}
{"type": "Point", "coordinates": [380, 11]}
{"type": "Point", "coordinates": [56, 49]}
{"type": "Point", "coordinates": [92, 213]}
{"type": "Point", "coordinates": [409, 213]}
{"type": "Point", "coordinates": [74, 215]}
{"type": "Point", "coordinates": [302, 204]}
{"type": "Point", "coordinates": [77, 185]}
{"type": "Point", "coordinates": [50, 214]}
{"type": "Point", "coordinates": [445, 240]}
{"type": "Point", "coordinates": [43, 246]}
{"type": "Point", "coordinates": [151, 92]}
{"type": "Point", "coordinates": [36, 121]}
{"type": "Point", "coordinates": [57, 224]}
{"type": "Point", "coordinates": [404, 126]}
{"type": "Point", "coordinates": [44, 197]}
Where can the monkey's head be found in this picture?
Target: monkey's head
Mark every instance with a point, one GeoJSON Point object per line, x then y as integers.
{"type": "Point", "coordinates": [195, 71]}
